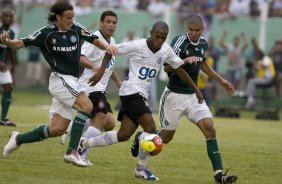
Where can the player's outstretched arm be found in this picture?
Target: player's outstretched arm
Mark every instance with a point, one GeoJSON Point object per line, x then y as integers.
{"type": "Point", "coordinates": [189, 82]}
{"type": "Point", "coordinates": [116, 79]}
{"type": "Point", "coordinates": [210, 72]}
{"type": "Point", "coordinates": [13, 44]}
{"type": "Point", "coordinates": [105, 46]}
{"type": "Point", "coordinates": [97, 77]}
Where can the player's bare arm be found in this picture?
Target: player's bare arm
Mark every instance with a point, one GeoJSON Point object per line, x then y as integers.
{"type": "Point", "coordinates": [105, 46]}
{"type": "Point", "coordinates": [116, 79]}
{"type": "Point", "coordinates": [86, 63]}
{"type": "Point", "coordinates": [97, 77]}
{"type": "Point", "coordinates": [13, 44]}
{"type": "Point", "coordinates": [189, 82]}
{"type": "Point", "coordinates": [210, 72]}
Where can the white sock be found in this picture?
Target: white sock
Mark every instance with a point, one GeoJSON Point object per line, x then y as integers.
{"type": "Point", "coordinates": [69, 128]}
{"type": "Point", "coordinates": [86, 125]}
{"type": "Point", "coordinates": [105, 139]}
{"type": "Point", "coordinates": [142, 156]}
{"type": "Point", "coordinates": [91, 132]}
{"type": "Point", "coordinates": [142, 160]}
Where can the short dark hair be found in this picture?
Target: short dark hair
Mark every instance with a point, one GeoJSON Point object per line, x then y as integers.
{"type": "Point", "coordinates": [108, 13]}
{"type": "Point", "coordinates": [58, 9]}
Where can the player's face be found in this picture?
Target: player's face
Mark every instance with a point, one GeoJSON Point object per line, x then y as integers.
{"type": "Point", "coordinates": [195, 31]}
{"type": "Point", "coordinates": [158, 38]}
{"type": "Point", "coordinates": [7, 18]}
{"type": "Point", "coordinates": [108, 26]}
{"type": "Point", "coordinates": [65, 21]}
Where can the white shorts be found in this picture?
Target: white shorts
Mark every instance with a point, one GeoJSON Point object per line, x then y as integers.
{"type": "Point", "coordinates": [64, 89]}
{"type": "Point", "coordinates": [174, 105]}
{"type": "Point", "coordinates": [6, 77]}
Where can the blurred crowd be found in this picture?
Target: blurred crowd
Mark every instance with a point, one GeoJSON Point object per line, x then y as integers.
{"type": "Point", "coordinates": [227, 8]}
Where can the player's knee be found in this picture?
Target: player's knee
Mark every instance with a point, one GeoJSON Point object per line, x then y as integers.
{"type": "Point", "coordinates": [56, 131]}
{"type": "Point", "coordinates": [166, 140]}
{"type": "Point", "coordinates": [123, 137]}
{"type": "Point", "coordinates": [109, 126]}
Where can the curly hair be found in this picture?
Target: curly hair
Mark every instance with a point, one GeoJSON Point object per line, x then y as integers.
{"type": "Point", "coordinates": [58, 9]}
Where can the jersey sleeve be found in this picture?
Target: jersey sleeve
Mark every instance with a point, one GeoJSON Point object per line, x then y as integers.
{"type": "Point", "coordinates": [127, 47]}
{"type": "Point", "coordinates": [87, 49]}
{"type": "Point", "coordinates": [85, 34]}
{"type": "Point", "coordinates": [172, 59]}
{"type": "Point", "coordinates": [36, 39]}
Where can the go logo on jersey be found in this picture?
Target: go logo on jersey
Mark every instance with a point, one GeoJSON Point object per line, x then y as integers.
{"type": "Point", "coordinates": [147, 74]}
{"type": "Point", "coordinates": [111, 63]}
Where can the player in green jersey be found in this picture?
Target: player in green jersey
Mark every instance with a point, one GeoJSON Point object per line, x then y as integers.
{"type": "Point", "coordinates": [6, 80]}
{"type": "Point", "coordinates": [59, 43]}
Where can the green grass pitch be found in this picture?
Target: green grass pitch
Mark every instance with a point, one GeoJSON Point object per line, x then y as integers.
{"type": "Point", "coordinates": [251, 148]}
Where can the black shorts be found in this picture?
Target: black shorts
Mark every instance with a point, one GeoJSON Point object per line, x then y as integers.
{"type": "Point", "coordinates": [100, 103]}
{"type": "Point", "coordinates": [133, 106]}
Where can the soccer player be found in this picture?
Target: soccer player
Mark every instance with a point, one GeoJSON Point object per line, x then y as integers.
{"type": "Point", "coordinates": [146, 56]}
{"type": "Point", "coordinates": [6, 80]}
{"type": "Point", "coordinates": [179, 99]}
{"type": "Point", "coordinates": [59, 43]}
{"type": "Point", "coordinates": [102, 117]}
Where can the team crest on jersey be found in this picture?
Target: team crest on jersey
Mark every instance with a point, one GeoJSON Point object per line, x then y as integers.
{"type": "Point", "coordinates": [159, 61]}
{"type": "Point", "coordinates": [73, 39]}
{"type": "Point", "coordinates": [101, 105]}
{"type": "Point", "coordinates": [54, 41]}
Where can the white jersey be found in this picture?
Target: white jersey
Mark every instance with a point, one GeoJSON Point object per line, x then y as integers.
{"type": "Point", "coordinates": [96, 55]}
{"type": "Point", "coordinates": [144, 65]}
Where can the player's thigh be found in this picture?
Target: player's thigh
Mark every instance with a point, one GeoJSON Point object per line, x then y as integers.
{"type": "Point", "coordinates": [195, 111]}
{"type": "Point", "coordinates": [57, 107]}
{"type": "Point", "coordinates": [5, 78]}
{"type": "Point", "coordinates": [99, 121]}
{"type": "Point", "coordinates": [66, 90]}
{"type": "Point", "coordinates": [147, 122]}
{"type": "Point", "coordinates": [171, 110]}
{"type": "Point", "coordinates": [110, 122]}
{"type": "Point", "coordinates": [127, 128]}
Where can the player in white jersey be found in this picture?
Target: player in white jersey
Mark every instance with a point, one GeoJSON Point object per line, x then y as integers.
{"type": "Point", "coordinates": [101, 117]}
{"type": "Point", "coordinates": [146, 58]}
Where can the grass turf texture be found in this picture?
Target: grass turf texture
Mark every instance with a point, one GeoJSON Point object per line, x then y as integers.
{"type": "Point", "coordinates": [252, 148]}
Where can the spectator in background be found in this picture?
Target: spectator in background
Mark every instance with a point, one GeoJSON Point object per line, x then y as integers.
{"type": "Point", "coordinates": [254, 9]}
{"type": "Point", "coordinates": [250, 73]}
{"type": "Point", "coordinates": [34, 66]}
{"type": "Point", "coordinates": [235, 52]}
{"type": "Point", "coordinates": [265, 74]}
{"type": "Point", "coordinates": [83, 7]}
{"type": "Point", "coordinates": [276, 8]}
{"type": "Point", "coordinates": [129, 5]}
{"type": "Point", "coordinates": [276, 56]}
{"type": "Point", "coordinates": [183, 10]}
{"type": "Point", "coordinates": [157, 8]}
{"type": "Point", "coordinates": [239, 8]}
{"type": "Point", "coordinates": [143, 4]}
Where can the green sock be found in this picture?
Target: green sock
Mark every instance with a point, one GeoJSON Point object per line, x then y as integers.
{"type": "Point", "coordinates": [76, 130]}
{"type": "Point", "coordinates": [214, 154]}
{"type": "Point", "coordinates": [157, 132]}
{"type": "Point", "coordinates": [38, 134]}
{"type": "Point", "coordinates": [5, 102]}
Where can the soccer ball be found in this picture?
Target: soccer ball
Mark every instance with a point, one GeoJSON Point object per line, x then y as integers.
{"type": "Point", "coordinates": [152, 144]}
